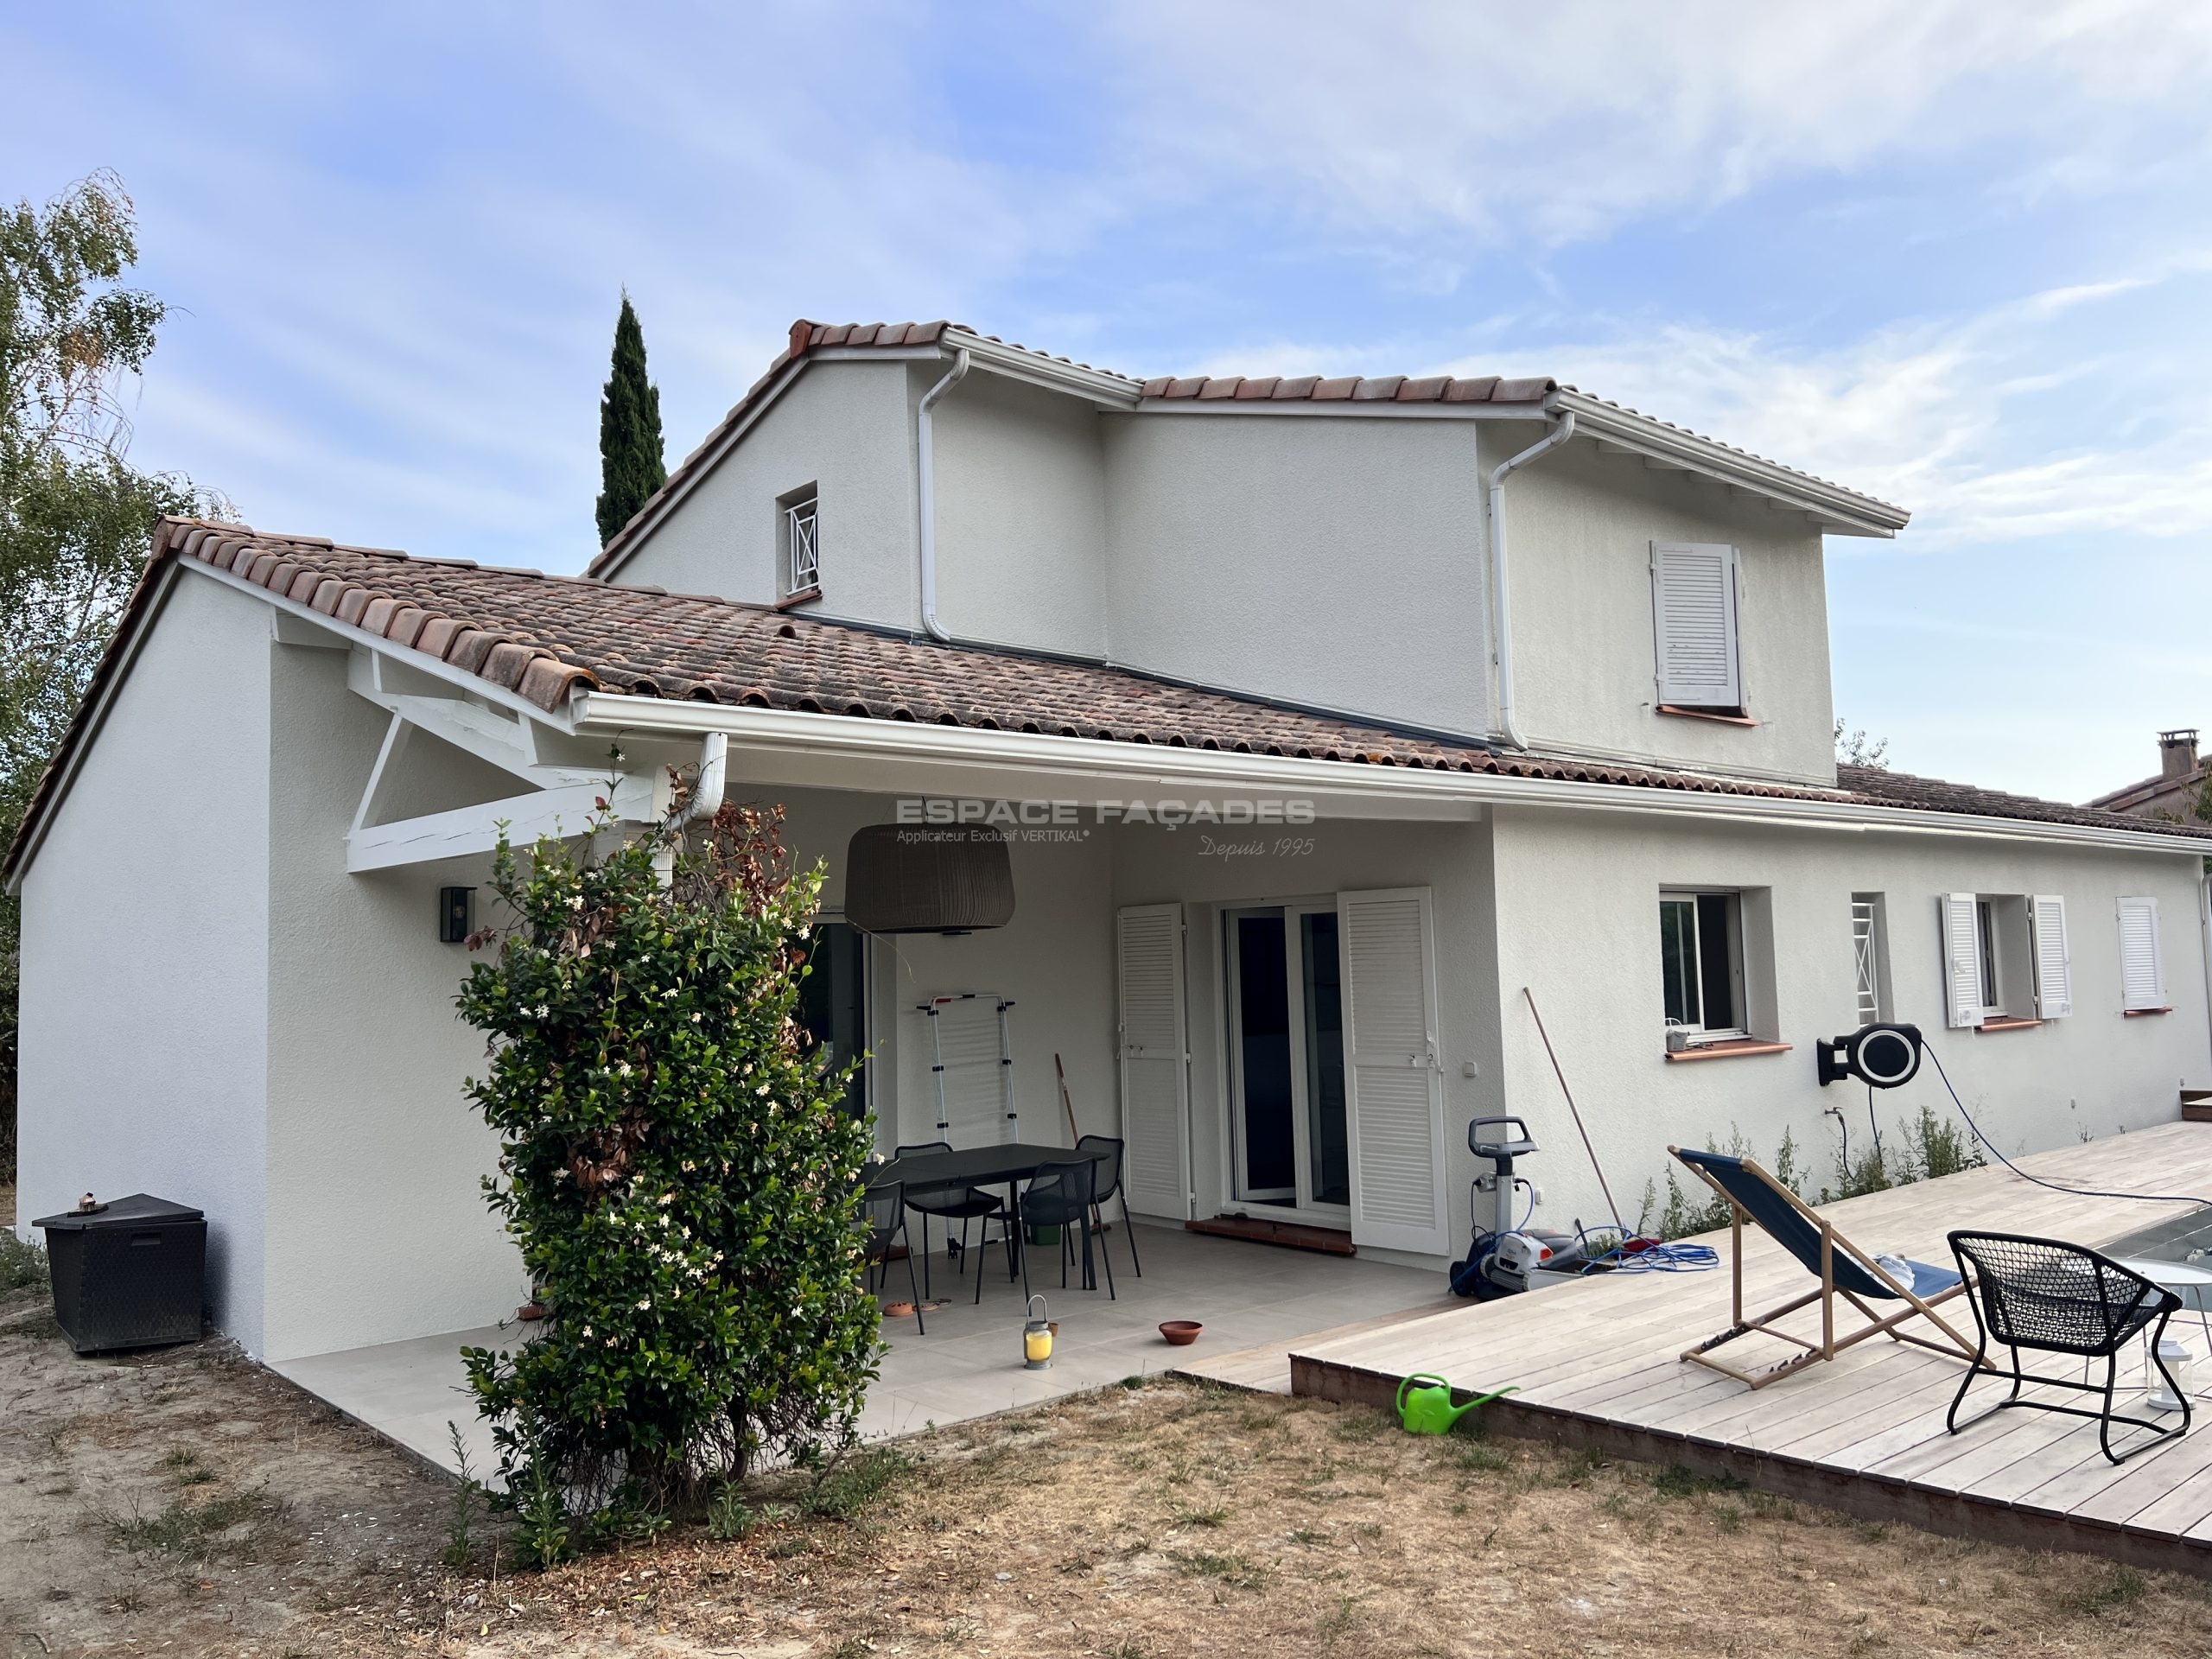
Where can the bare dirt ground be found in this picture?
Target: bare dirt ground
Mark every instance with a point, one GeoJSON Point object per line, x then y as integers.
{"type": "Point", "coordinates": [189, 1502]}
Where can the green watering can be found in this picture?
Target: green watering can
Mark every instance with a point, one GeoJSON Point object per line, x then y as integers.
{"type": "Point", "coordinates": [1429, 1409]}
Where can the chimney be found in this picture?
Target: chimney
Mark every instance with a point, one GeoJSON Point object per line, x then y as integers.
{"type": "Point", "coordinates": [2177, 752]}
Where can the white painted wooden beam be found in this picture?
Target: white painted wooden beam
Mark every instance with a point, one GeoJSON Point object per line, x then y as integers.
{"type": "Point", "coordinates": [566, 811]}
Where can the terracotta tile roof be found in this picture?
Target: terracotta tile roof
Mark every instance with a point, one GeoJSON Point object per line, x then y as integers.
{"type": "Point", "coordinates": [542, 636]}
{"type": "Point", "coordinates": [1933, 795]}
{"type": "Point", "coordinates": [1350, 388]}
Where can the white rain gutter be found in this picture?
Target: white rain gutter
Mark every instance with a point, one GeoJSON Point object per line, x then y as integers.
{"type": "Point", "coordinates": [1503, 611]}
{"type": "Point", "coordinates": [1021, 757]}
{"type": "Point", "coordinates": [925, 492]}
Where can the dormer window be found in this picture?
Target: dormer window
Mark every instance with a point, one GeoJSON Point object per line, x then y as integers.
{"type": "Point", "coordinates": [801, 537]}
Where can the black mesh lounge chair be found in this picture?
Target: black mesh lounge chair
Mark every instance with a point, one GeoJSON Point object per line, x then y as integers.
{"type": "Point", "coordinates": [1108, 1184]}
{"type": "Point", "coordinates": [2056, 1298]}
{"type": "Point", "coordinates": [1841, 1267]}
{"type": "Point", "coordinates": [960, 1204]}
{"type": "Point", "coordinates": [1060, 1196]}
{"type": "Point", "coordinates": [885, 1216]}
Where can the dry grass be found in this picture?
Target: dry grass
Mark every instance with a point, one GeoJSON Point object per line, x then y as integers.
{"type": "Point", "coordinates": [1175, 1519]}
{"type": "Point", "coordinates": [1140, 1523]}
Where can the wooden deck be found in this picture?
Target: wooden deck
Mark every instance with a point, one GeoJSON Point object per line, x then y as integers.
{"type": "Point", "coordinates": [1597, 1364]}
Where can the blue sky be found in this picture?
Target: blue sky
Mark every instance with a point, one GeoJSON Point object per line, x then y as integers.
{"type": "Point", "coordinates": [1957, 255]}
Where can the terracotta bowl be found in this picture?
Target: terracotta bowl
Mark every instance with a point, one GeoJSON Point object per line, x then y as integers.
{"type": "Point", "coordinates": [1180, 1333]}
{"type": "Point", "coordinates": [899, 1311]}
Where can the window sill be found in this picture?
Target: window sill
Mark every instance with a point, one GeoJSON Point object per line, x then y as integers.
{"type": "Point", "coordinates": [798, 598]}
{"type": "Point", "coordinates": [1728, 1051]}
{"type": "Point", "coordinates": [2138, 1014]}
{"type": "Point", "coordinates": [1725, 716]}
{"type": "Point", "coordinates": [2005, 1022]}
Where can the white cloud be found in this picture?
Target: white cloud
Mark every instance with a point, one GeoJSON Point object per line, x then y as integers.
{"type": "Point", "coordinates": [1558, 122]}
{"type": "Point", "coordinates": [2035, 417]}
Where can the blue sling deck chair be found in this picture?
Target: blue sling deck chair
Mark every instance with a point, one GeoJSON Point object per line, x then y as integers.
{"type": "Point", "coordinates": [1842, 1267]}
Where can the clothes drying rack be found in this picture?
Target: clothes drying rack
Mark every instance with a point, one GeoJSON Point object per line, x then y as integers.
{"type": "Point", "coordinates": [971, 1060]}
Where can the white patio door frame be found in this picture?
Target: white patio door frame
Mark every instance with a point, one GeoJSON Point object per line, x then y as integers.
{"type": "Point", "coordinates": [1300, 1204]}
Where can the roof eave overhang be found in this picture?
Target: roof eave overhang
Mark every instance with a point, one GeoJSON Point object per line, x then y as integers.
{"type": "Point", "coordinates": [1836, 510]}
{"type": "Point", "coordinates": [785, 743]}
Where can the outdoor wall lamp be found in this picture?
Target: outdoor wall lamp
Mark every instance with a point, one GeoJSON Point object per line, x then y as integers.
{"type": "Point", "coordinates": [454, 906]}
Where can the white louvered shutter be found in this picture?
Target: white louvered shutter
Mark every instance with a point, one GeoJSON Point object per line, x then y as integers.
{"type": "Point", "coordinates": [1392, 1065]}
{"type": "Point", "coordinates": [1155, 1070]}
{"type": "Point", "coordinates": [1962, 959]}
{"type": "Point", "coordinates": [2054, 962]}
{"type": "Point", "coordinates": [1693, 622]}
{"type": "Point", "coordinates": [2142, 972]}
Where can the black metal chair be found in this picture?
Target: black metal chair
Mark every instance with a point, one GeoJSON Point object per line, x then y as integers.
{"type": "Point", "coordinates": [2056, 1298]}
{"type": "Point", "coordinates": [1061, 1195]}
{"type": "Point", "coordinates": [1108, 1184]}
{"type": "Point", "coordinates": [960, 1204]}
{"type": "Point", "coordinates": [886, 1217]}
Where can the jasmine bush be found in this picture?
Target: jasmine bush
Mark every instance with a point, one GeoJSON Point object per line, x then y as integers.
{"type": "Point", "coordinates": [679, 1171]}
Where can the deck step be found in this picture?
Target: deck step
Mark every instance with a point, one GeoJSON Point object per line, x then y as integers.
{"type": "Point", "coordinates": [1291, 1235]}
{"type": "Point", "coordinates": [1266, 1368]}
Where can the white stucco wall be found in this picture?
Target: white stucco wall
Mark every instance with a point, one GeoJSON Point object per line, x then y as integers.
{"type": "Point", "coordinates": [145, 988]}
{"type": "Point", "coordinates": [1055, 959]}
{"type": "Point", "coordinates": [377, 1228]}
{"type": "Point", "coordinates": [1021, 517]}
{"type": "Point", "coordinates": [1336, 562]}
{"type": "Point", "coordinates": [846, 428]}
{"type": "Point", "coordinates": [1579, 525]}
{"type": "Point", "coordinates": [1578, 922]}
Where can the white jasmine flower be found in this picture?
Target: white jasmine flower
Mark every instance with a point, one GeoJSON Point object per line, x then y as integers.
{"type": "Point", "coordinates": [644, 1303]}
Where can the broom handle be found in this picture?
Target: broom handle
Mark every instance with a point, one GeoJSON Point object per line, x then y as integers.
{"type": "Point", "coordinates": [1603, 1186]}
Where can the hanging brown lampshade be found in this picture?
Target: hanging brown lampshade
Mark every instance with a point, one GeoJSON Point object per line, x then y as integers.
{"type": "Point", "coordinates": [915, 878]}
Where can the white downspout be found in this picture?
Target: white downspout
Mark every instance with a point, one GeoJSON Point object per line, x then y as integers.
{"type": "Point", "coordinates": [706, 800]}
{"type": "Point", "coordinates": [926, 493]}
{"type": "Point", "coordinates": [1502, 614]}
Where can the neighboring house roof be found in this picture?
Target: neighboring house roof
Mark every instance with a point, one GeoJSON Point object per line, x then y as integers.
{"type": "Point", "coordinates": [2176, 787]}
{"type": "Point", "coordinates": [1903, 788]}
{"type": "Point", "coordinates": [543, 636]}
{"type": "Point", "coordinates": [1537, 393]}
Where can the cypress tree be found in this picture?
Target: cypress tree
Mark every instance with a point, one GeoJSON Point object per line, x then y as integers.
{"type": "Point", "coordinates": [630, 464]}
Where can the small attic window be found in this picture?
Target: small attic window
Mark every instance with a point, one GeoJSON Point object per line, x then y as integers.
{"type": "Point", "coordinates": [799, 530]}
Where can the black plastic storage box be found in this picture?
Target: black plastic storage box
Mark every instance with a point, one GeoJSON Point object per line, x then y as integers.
{"type": "Point", "coordinates": [128, 1275]}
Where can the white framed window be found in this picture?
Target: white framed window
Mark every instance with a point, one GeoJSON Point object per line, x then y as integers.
{"type": "Point", "coordinates": [2005, 957]}
{"type": "Point", "coordinates": [1694, 616]}
{"type": "Point", "coordinates": [1869, 958]}
{"type": "Point", "coordinates": [800, 532]}
{"type": "Point", "coordinates": [2142, 967]}
{"type": "Point", "coordinates": [1701, 965]}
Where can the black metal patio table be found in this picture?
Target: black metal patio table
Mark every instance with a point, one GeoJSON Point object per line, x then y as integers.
{"type": "Point", "coordinates": [1009, 1165]}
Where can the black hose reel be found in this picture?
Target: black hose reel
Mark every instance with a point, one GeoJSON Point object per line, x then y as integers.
{"type": "Point", "coordinates": [1881, 1056]}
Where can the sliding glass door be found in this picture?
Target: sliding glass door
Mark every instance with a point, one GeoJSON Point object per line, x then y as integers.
{"type": "Point", "coordinates": [1286, 1101]}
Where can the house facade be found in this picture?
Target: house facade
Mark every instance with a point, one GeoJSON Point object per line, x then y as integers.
{"type": "Point", "coordinates": [1339, 730]}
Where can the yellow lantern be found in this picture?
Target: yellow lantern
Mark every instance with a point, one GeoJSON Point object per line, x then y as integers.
{"type": "Point", "coordinates": [1037, 1339]}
